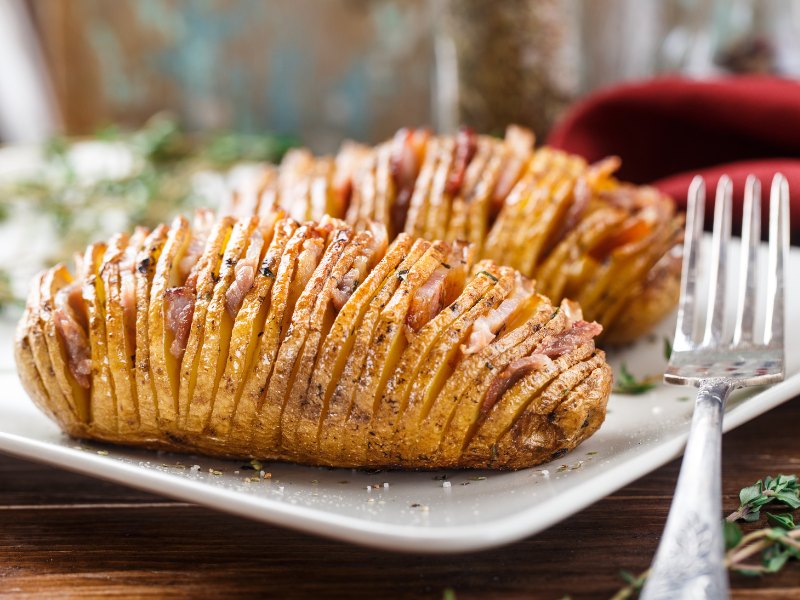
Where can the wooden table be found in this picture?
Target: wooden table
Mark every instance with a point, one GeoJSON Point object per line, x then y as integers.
{"type": "Point", "coordinates": [67, 535]}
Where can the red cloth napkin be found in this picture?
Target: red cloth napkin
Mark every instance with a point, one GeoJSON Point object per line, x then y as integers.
{"type": "Point", "coordinates": [670, 129]}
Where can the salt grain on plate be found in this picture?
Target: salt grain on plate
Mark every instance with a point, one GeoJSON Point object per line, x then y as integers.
{"type": "Point", "coordinates": [446, 484]}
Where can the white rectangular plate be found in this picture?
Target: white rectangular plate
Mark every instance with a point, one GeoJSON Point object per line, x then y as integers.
{"type": "Point", "coordinates": [419, 511]}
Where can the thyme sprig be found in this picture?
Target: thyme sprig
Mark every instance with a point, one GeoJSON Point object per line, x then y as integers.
{"type": "Point", "coordinates": [626, 383]}
{"type": "Point", "coordinates": [759, 552]}
{"type": "Point", "coordinates": [165, 157]}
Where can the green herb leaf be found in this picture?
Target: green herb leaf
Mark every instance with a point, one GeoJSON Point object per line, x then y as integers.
{"type": "Point", "coordinates": [774, 558]}
{"type": "Point", "coordinates": [784, 520]}
{"type": "Point", "coordinates": [732, 533]}
{"type": "Point", "coordinates": [667, 348]}
{"type": "Point", "coordinates": [626, 383]}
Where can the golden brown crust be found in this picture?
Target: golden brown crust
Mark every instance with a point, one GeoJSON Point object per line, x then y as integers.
{"type": "Point", "coordinates": [310, 364]}
{"type": "Point", "coordinates": [570, 225]}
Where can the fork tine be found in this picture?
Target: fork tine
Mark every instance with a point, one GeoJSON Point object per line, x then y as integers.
{"type": "Point", "coordinates": [748, 262]}
{"type": "Point", "coordinates": [778, 253]}
{"type": "Point", "coordinates": [695, 210]}
{"type": "Point", "coordinates": [717, 278]}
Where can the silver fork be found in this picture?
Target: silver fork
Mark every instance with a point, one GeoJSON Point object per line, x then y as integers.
{"type": "Point", "coordinates": [690, 561]}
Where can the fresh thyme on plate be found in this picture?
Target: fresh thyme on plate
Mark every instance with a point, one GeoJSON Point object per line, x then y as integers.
{"type": "Point", "coordinates": [626, 383]}
{"type": "Point", "coordinates": [757, 552]}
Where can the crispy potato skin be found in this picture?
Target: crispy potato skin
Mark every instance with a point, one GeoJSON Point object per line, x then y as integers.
{"type": "Point", "coordinates": [342, 351]}
{"type": "Point", "coordinates": [573, 227]}
{"type": "Point", "coordinates": [350, 345]}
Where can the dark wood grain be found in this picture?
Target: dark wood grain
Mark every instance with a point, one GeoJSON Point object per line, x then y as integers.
{"type": "Point", "coordinates": [64, 535]}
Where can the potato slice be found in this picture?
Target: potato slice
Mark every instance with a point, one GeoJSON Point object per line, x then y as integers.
{"type": "Point", "coordinates": [54, 407]}
{"type": "Point", "coordinates": [473, 376]}
{"type": "Point", "coordinates": [535, 438]}
{"type": "Point", "coordinates": [430, 352]}
{"type": "Point", "coordinates": [103, 401]}
{"type": "Point", "coordinates": [387, 344]}
{"type": "Point", "coordinates": [539, 392]}
{"type": "Point", "coordinates": [418, 206]}
{"type": "Point", "coordinates": [163, 365]}
{"type": "Point", "coordinates": [36, 356]}
{"type": "Point", "coordinates": [117, 275]}
{"type": "Point", "coordinates": [363, 246]}
{"type": "Point", "coordinates": [62, 313]}
{"type": "Point", "coordinates": [479, 200]}
{"type": "Point", "coordinates": [568, 262]}
{"type": "Point", "coordinates": [338, 345]}
{"type": "Point", "coordinates": [247, 330]}
{"type": "Point", "coordinates": [414, 436]}
{"type": "Point", "coordinates": [307, 319]}
{"type": "Point", "coordinates": [146, 262]}
{"type": "Point", "coordinates": [617, 294]}
{"type": "Point", "coordinates": [331, 430]}
{"type": "Point", "coordinates": [649, 302]}
{"type": "Point", "coordinates": [437, 214]}
{"type": "Point", "coordinates": [457, 228]}
{"type": "Point", "coordinates": [385, 192]}
{"type": "Point", "coordinates": [206, 274]}
{"type": "Point", "coordinates": [288, 285]}
{"type": "Point", "coordinates": [213, 351]}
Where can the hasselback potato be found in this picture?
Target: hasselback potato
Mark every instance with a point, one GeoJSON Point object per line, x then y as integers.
{"type": "Point", "coordinates": [313, 342]}
{"type": "Point", "coordinates": [613, 247]}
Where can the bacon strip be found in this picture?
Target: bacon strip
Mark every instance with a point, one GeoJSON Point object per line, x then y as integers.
{"type": "Point", "coordinates": [511, 375]}
{"type": "Point", "coordinates": [201, 228]}
{"type": "Point", "coordinates": [71, 321]}
{"type": "Point", "coordinates": [542, 357]}
{"type": "Point", "coordinates": [443, 286]}
{"type": "Point", "coordinates": [179, 311]}
{"type": "Point", "coordinates": [428, 299]}
{"type": "Point", "coordinates": [486, 327]}
{"type": "Point", "coordinates": [568, 339]}
{"type": "Point", "coordinates": [244, 274]}
{"type": "Point", "coordinates": [519, 141]}
{"type": "Point", "coordinates": [466, 146]}
{"type": "Point", "coordinates": [408, 149]}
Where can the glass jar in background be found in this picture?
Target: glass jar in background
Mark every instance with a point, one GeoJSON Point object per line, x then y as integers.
{"type": "Point", "coordinates": [515, 61]}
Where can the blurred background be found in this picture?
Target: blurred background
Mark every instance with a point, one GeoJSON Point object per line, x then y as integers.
{"type": "Point", "coordinates": [322, 71]}
{"type": "Point", "coordinates": [114, 113]}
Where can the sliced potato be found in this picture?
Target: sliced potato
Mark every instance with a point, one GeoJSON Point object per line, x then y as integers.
{"type": "Point", "coordinates": [247, 330]}
{"type": "Point", "coordinates": [163, 365]}
{"type": "Point", "coordinates": [360, 247]}
{"type": "Point", "coordinates": [431, 353]}
{"type": "Point", "coordinates": [540, 392]}
{"type": "Point", "coordinates": [103, 401]}
{"type": "Point", "coordinates": [206, 275]}
{"type": "Point", "coordinates": [213, 352]}
{"type": "Point", "coordinates": [307, 322]}
{"type": "Point", "coordinates": [389, 340]}
{"type": "Point", "coordinates": [473, 376]}
{"type": "Point", "coordinates": [146, 262]}
{"type": "Point", "coordinates": [416, 436]}
{"type": "Point", "coordinates": [535, 438]}
{"type": "Point", "coordinates": [332, 434]}
{"type": "Point", "coordinates": [36, 356]}
{"type": "Point", "coordinates": [418, 206]}
{"type": "Point", "coordinates": [117, 275]}
{"type": "Point", "coordinates": [338, 345]}
{"type": "Point", "coordinates": [57, 318]}
{"type": "Point", "coordinates": [286, 289]}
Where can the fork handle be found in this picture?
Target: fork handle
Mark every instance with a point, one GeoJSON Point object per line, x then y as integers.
{"type": "Point", "coordinates": [690, 561]}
